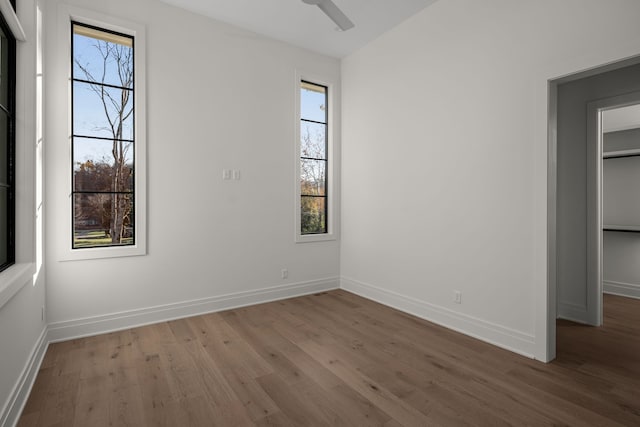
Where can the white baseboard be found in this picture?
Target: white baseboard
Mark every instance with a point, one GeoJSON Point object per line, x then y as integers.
{"type": "Point", "coordinates": [630, 290]}
{"type": "Point", "coordinates": [573, 312]}
{"type": "Point", "coordinates": [62, 331]}
{"type": "Point", "coordinates": [509, 339]}
{"type": "Point", "coordinates": [13, 408]}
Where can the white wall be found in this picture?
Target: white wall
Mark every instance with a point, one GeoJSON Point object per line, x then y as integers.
{"type": "Point", "coordinates": [620, 261]}
{"type": "Point", "coordinates": [218, 97]}
{"type": "Point", "coordinates": [21, 324]}
{"type": "Point", "coordinates": [445, 156]}
{"type": "Point", "coordinates": [620, 191]}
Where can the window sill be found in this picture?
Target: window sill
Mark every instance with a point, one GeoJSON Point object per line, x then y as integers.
{"type": "Point", "coordinates": [105, 252]}
{"type": "Point", "coordinates": [13, 279]}
{"type": "Point", "coordinates": [308, 238]}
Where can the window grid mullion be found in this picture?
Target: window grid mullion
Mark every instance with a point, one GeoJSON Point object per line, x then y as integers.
{"type": "Point", "coordinates": [104, 138]}
{"type": "Point", "coordinates": [100, 192]}
{"type": "Point", "coordinates": [74, 79]}
{"type": "Point", "coordinates": [313, 121]}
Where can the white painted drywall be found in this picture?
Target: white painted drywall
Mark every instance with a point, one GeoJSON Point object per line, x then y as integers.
{"type": "Point", "coordinates": [217, 98]}
{"type": "Point", "coordinates": [21, 323]}
{"type": "Point", "coordinates": [445, 154]}
{"type": "Point", "coordinates": [20, 329]}
{"type": "Point", "coordinates": [620, 261]}
{"type": "Point", "coordinates": [621, 191]}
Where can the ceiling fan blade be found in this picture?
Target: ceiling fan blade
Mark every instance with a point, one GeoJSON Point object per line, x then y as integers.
{"type": "Point", "coordinates": [336, 15]}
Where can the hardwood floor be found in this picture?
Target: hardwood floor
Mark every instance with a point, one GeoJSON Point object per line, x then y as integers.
{"type": "Point", "coordinates": [336, 359]}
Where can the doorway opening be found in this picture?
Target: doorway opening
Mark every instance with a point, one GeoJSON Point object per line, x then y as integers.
{"type": "Point", "coordinates": [575, 165]}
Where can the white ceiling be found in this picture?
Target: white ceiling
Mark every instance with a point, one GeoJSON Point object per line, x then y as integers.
{"type": "Point", "coordinates": [307, 26]}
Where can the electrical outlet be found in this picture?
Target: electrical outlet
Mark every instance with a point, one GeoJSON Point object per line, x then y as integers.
{"type": "Point", "coordinates": [457, 297]}
{"type": "Point", "coordinates": [226, 174]}
{"type": "Point", "coordinates": [42, 313]}
{"type": "Point", "coordinates": [236, 174]}
{"type": "Point", "coordinates": [285, 273]}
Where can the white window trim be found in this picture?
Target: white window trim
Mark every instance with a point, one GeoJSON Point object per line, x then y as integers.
{"type": "Point", "coordinates": [67, 14]}
{"type": "Point", "coordinates": [15, 278]}
{"type": "Point", "coordinates": [12, 20]}
{"type": "Point", "coordinates": [332, 218]}
{"type": "Point", "coordinates": [18, 275]}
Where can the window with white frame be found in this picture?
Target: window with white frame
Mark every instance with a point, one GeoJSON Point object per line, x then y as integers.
{"type": "Point", "coordinates": [315, 187]}
{"type": "Point", "coordinates": [107, 136]}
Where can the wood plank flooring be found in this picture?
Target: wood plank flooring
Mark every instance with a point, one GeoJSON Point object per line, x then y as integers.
{"type": "Point", "coordinates": [335, 359]}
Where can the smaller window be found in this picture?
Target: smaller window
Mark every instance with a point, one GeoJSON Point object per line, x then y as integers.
{"type": "Point", "coordinates": [314, 161]}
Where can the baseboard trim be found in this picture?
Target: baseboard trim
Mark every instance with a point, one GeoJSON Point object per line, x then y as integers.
{"type": "Point", "coordinates": [573, 312]}
{"type": "Point", "coordinates": [15, 404]}
{"type": "Point", "coordinates": [509, 339]}
{"type": "Point", "coordinates": [62, 331]}
{"type": "Point", "coordinates": [629, 290]}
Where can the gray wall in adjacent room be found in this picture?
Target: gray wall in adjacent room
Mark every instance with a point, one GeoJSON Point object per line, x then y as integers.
{"type": "Point", "coordinates": [572, 188]}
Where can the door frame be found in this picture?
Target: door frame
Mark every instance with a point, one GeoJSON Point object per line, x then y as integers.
{"type": "Point", "coordinates": [552, 194]}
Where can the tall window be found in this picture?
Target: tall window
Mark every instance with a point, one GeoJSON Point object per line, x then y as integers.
{"type": "Point", "coordinates": [7, 144]}
{"type": "Point", "coordinates": [313, 158]}
{"type": "Point", "coordinates": [103, 138]}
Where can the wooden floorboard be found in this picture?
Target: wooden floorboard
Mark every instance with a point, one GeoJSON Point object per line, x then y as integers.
{"type": "Point", "coordinates": [336, 359]}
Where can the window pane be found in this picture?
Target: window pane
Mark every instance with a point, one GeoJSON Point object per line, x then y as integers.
{"type": "Point", "coordinates": [313, 140]}
{"type": "Point", "coordinates": [4, 69]}
{"type": "Point", "coordinates": [4, 225]}
{"type": "Point", "coordinates": [98, 111]}
{"type": "Point", "coordinates": [313, 102]}
{"type": "Point", "coordinates": [312, 177]}
{"type": "Point", "coordinates": [4, 148]}
{"type": "Point", "coordinates": [313, 215]}
{"type": "Point", "coordinates": [94, 166]}
{"type": "Point", "coordinates": [102, 220]}
{"type": "Point", "coordinates": [313, 162]}
{"type": "Point", "coordinates": [102, 57]}
{"type": "Point", "coordinates": [7, 146]}
{"type": "Point", "coordinates": [102, 167]}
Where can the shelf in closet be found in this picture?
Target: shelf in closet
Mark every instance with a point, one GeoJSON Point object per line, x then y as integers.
{"type": "Point", "coordinates": [622, 228]}
{"type": "Point", "coordinates": [622, 153]}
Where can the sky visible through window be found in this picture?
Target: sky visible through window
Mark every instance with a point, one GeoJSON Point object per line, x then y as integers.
{"type": "Point", "coordinates": [312, 105]}
{"type": "Point", "coordinates": [89, 114]}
